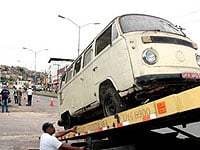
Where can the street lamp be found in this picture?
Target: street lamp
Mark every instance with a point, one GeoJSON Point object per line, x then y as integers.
{"type": "Point", "coordinates": [79, 28]}
{"type": "Point", "coordinates": [35, 53]}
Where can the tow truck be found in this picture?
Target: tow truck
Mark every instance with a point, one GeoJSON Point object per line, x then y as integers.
{"type": "Point", "coordinates": [166, 123]}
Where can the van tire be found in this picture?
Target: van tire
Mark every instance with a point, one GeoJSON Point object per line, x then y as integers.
{"type": "Point", "coordinates": [67, 121]}
{"type": "Point", "coordinates": [112, 103]}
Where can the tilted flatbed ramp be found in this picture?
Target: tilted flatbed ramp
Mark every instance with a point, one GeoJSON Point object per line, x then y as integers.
{"type": "Point", "coordinates": [181, 108]}
{"type": "Point", "coordinates": [177, 109]}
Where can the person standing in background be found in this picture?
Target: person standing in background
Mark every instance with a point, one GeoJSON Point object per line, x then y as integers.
{"type": "Point", "coordinates": [29, 95]}
{"type": "Point", "coordinates": [15, 95]}
{"type": "Point", "coordinates": [19, 93]}
{"type": "Point", "coordinates": [5, 93]}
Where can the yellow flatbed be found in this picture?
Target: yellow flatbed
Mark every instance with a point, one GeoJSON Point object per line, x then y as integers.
{"type": "Point", "coordinates": [161, 109]}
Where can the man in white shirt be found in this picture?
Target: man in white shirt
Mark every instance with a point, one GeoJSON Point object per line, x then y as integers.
{"type": "Point", "coordinates": [29, 95]}
{"type": "Point", "coordinates": [49, 141]}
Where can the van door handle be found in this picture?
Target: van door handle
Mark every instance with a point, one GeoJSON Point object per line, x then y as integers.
{"type": "Point", "coordinates": [94, 69]}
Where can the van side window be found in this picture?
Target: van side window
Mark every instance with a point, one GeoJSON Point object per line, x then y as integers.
{"type": "Point", "coordinates": [114, 32]}
{"type": "Point", "coordinates": [77, 66]}
{"type": "Point", "coordinates": [104, 40]}
{"type": "Point", "coordinates": [87, 56]}
{"type": "Point", "coordinates": [69, 73]}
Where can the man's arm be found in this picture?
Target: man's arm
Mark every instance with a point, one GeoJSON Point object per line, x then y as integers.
{"type": "Point", "coordinates": [63, 132]}
{"type": "Point", "coordinates": [69, 147]}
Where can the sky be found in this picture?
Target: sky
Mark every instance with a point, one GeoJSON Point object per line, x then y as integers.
{"type": "Point", "coordinates": [35, 24]}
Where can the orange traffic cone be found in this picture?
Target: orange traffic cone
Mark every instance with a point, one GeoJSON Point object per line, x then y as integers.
{"type": "Point", "coordinates": [38, 99]}
{"type": "Point", "coordinates": [51, 102]}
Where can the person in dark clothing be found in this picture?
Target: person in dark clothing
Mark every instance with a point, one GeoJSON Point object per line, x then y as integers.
{"type": "Point", "coordinates": [19, 93]}
{"type": "Point", "coordinates": [5, 93]}
{"type": "Point", "coordinates": [15, 94]}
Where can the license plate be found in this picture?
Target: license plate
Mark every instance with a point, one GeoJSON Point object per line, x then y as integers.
{"type": "Point", "coordinates": [190, 75]}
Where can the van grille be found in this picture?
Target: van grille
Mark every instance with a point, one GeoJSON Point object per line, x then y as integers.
{"type": "Point", "coordinates": [170, 40]}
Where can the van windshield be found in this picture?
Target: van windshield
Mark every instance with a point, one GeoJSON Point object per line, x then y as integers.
{"type": "Point", "coordinates": [135, 22]}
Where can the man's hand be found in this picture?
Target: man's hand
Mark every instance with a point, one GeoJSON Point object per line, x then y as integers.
{"type": "Point", "coordinates": [73, 129]}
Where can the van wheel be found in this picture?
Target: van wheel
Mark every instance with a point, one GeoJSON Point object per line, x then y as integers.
{"type": "Point", "coordinates": [67, 121]}
{"type": "Point", "coordinates": [112, 102]}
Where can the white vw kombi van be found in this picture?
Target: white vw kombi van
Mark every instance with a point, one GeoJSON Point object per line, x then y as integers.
{"type": "Point", "coordinates": [136, 59]}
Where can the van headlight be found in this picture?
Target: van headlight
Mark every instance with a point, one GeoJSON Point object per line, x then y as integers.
{"type": "Point", "coordinates": [149, 56]}
{"type": "Point", "coordinates": [198, 59]}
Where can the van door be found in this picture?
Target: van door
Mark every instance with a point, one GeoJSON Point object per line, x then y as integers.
{"type": "Point", "coordinates": [112, 60]}
{"type": "Point", "coordinates": [87, 78]}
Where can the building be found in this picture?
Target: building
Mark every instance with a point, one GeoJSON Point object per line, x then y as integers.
{"type": "Point", "coordinates": [56, 69]}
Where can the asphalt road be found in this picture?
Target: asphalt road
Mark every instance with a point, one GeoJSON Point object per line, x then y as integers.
{"type": "Point", "coordinates": [21, 128]}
